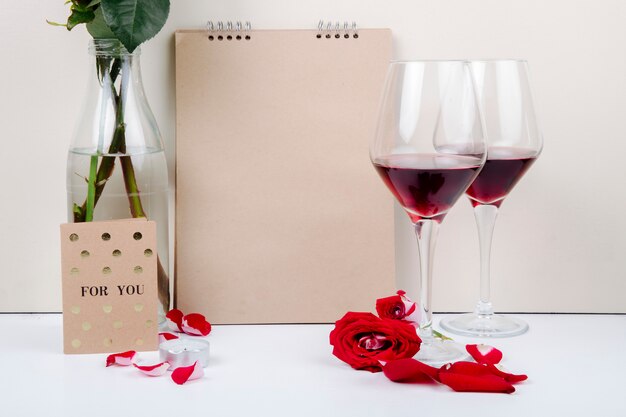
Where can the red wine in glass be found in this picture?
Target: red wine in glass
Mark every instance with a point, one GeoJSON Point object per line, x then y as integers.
{"type": "Point", "coordinates": [427, 185]}
{"type": "Point", "coordinates": [514, 141]}
{"type": "Point", "coordinates": [503, 169]}
{"type": "Point", "coordinates": [429, 146]}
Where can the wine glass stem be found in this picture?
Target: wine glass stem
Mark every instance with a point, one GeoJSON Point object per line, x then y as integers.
{"type": "Point", "coordinates": [426, 232]}
{"type": "Point", "coordinates": [485, 220]}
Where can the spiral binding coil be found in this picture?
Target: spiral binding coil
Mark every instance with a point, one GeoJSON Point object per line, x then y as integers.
{"type": "Point", "coordinates": [330, 30]}
{"type": "Point", "coordinates": [227, 30]}
{"type": "Point", "coordinates": [238, 30]}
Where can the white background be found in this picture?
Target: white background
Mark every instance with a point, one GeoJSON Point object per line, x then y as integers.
{"type": "Point", "coordinates": [286, 371]}
{"type": "Point", "coordinates": [560, 242]}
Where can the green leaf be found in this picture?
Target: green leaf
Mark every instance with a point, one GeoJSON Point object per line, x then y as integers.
{"type": "Point", "coordinates": [51, 23]}
{"type": "Point", "coordinates": [81, 3]}
{"type": "Point", "coordinates": [93, 3]}
{"type": "Point", "coordinates": [79, 16]}
{"type": "Point", "coordinates": [98, 28]}
{"type": "Point", "coordinates": [441, 336]}
{"type": "Point", "coordinates": [135, 21]}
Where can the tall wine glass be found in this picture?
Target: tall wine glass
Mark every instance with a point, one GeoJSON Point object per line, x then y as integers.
{"type": "Point", "coordinates": [428, 149]}
{"type": "Point", "coordinates": [514, 143]}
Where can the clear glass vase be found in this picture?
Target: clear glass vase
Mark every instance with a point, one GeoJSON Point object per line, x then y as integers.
{"type": "Point", "coordinates": [116, 165]}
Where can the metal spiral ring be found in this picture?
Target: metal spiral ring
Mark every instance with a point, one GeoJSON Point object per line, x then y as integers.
{"type": "Point", "coordinates": [330, 30]}
{"type": "Point", "coordinates": [228, 30]}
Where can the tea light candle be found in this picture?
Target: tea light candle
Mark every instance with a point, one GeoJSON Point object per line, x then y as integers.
{"type": "Point", "coordinates": [184, 352]}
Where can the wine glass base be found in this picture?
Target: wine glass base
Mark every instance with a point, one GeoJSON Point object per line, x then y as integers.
{"type": "Point", "coordinates": [437, 352]}
{"type": "Point", "coordinates": [477, 325]}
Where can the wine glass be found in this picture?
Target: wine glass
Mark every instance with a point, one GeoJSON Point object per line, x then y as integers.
{"type": "Point", "coordinates": [514, 143]}
{"type": "Point", "coordinates": [428, 149]}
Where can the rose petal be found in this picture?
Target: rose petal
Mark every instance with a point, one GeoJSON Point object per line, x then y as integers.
{"type": "Point", "coordinates": [410, 370]}
{"type": "Point", "coordinates": [466, 368]}
{"type": "Point", "coordinates": [166, 336]}
{"type": "Point", "coordinates": [473, 377]}
{"type": "Point", "coordinates": [174, 320]}
{"type": "Point", "coordinates": [187, 373]}
{"type": "Point", "coordinates": [469, 383]}
{"type": "Point", "coordinates": [484, 354]}
{"type": "Point", "coordinates": [153, 370]}
{"type": "Point", "coordinates": [195, 324]}
{"type": "Point", "coordinates": [499, 370]}
{"type": "Point", "coordinates": [412, 312]}
{"type": "Point", "coordinates": [121, 359]}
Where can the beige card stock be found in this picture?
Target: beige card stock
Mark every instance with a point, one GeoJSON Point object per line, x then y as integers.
{"type": "Point", "coordinates": [280, 217]}
{"type": "Point", "coordinates": [109, 286]}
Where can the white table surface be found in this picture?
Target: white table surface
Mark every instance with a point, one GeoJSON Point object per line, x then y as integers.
{"type": "Point", "coordinates": [576, 366]}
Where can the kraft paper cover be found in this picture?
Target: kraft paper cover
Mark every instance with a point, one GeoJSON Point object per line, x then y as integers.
{"type": "Point", "coordinates": [280, 217]}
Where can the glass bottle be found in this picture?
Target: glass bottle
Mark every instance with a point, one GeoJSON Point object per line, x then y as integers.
{"type": "Point", "coordinates": [116, 166]}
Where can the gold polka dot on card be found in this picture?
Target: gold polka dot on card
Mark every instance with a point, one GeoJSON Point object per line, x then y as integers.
{"type": "Point", "coordinates": [107, 341]}
{"type": "Point", "coordinates": [138, 269]}
{"type": "Point", "coordinates": [107, 308]}
{"type": "Point", "coordinates": [139, 342]}
{"type": "Point", "coordinates": [148, 253]}
{"type": "Point", "coordinates": [138, 307]}
{"type": "Point", "coordinates": [76, 343]}
{"type": "Point", "coordinates": [75, 309]}
{"type": "Point", "coordinates": [73, 237]}
{"type": "Point", "coordinates": [84, 254]}
{"type": "Point", "coordinates": [149, 324]}
{"type": "Point", "coordinates": [74, 271]}
{"type": "Point", "coordinates": [86, 326]}
{"type": "Point", "coordinates": [117, 324]}
{"type": "Point", "coordinates": [117, 253]}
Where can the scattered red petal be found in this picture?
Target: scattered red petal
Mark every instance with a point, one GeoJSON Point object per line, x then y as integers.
{"type": "Point", "coordinates": [484, 354]}
{"type": "Point", "coordinates": [174, 320]}
{"type": "Point", "coordinates": [410, 370]}
{"type": "Point", "coordinates": [187, 373]}
{"type": "Point", "coordinates": [121, 359]}
{"type": "Point", "coordinates": [466, 368]}
{"type": "Point", "coordinates": [166, 336]}
{"type": "Point", "coordinates": [469, 383]}
{"type": "Point", "coordinates": [196, 325]}
{"type": "Point", "coordinates": [153, 370]}
{"type": "Point", "coordinates": [473, 377]}
{"type": "Point", "coordinates": [498, 370]}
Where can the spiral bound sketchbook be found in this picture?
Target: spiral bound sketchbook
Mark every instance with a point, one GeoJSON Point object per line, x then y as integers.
{"type": "Point", "coordinates": [280, 217]}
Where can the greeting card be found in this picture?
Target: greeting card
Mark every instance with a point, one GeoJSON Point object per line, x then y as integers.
{"type": "Point", "coordinates": [109, 286]}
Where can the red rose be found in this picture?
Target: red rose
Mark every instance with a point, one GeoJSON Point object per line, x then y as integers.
{"type": "Point", "coordinates": [362, 340]}
{"type": "Point", "coordinates": [398, 307]}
